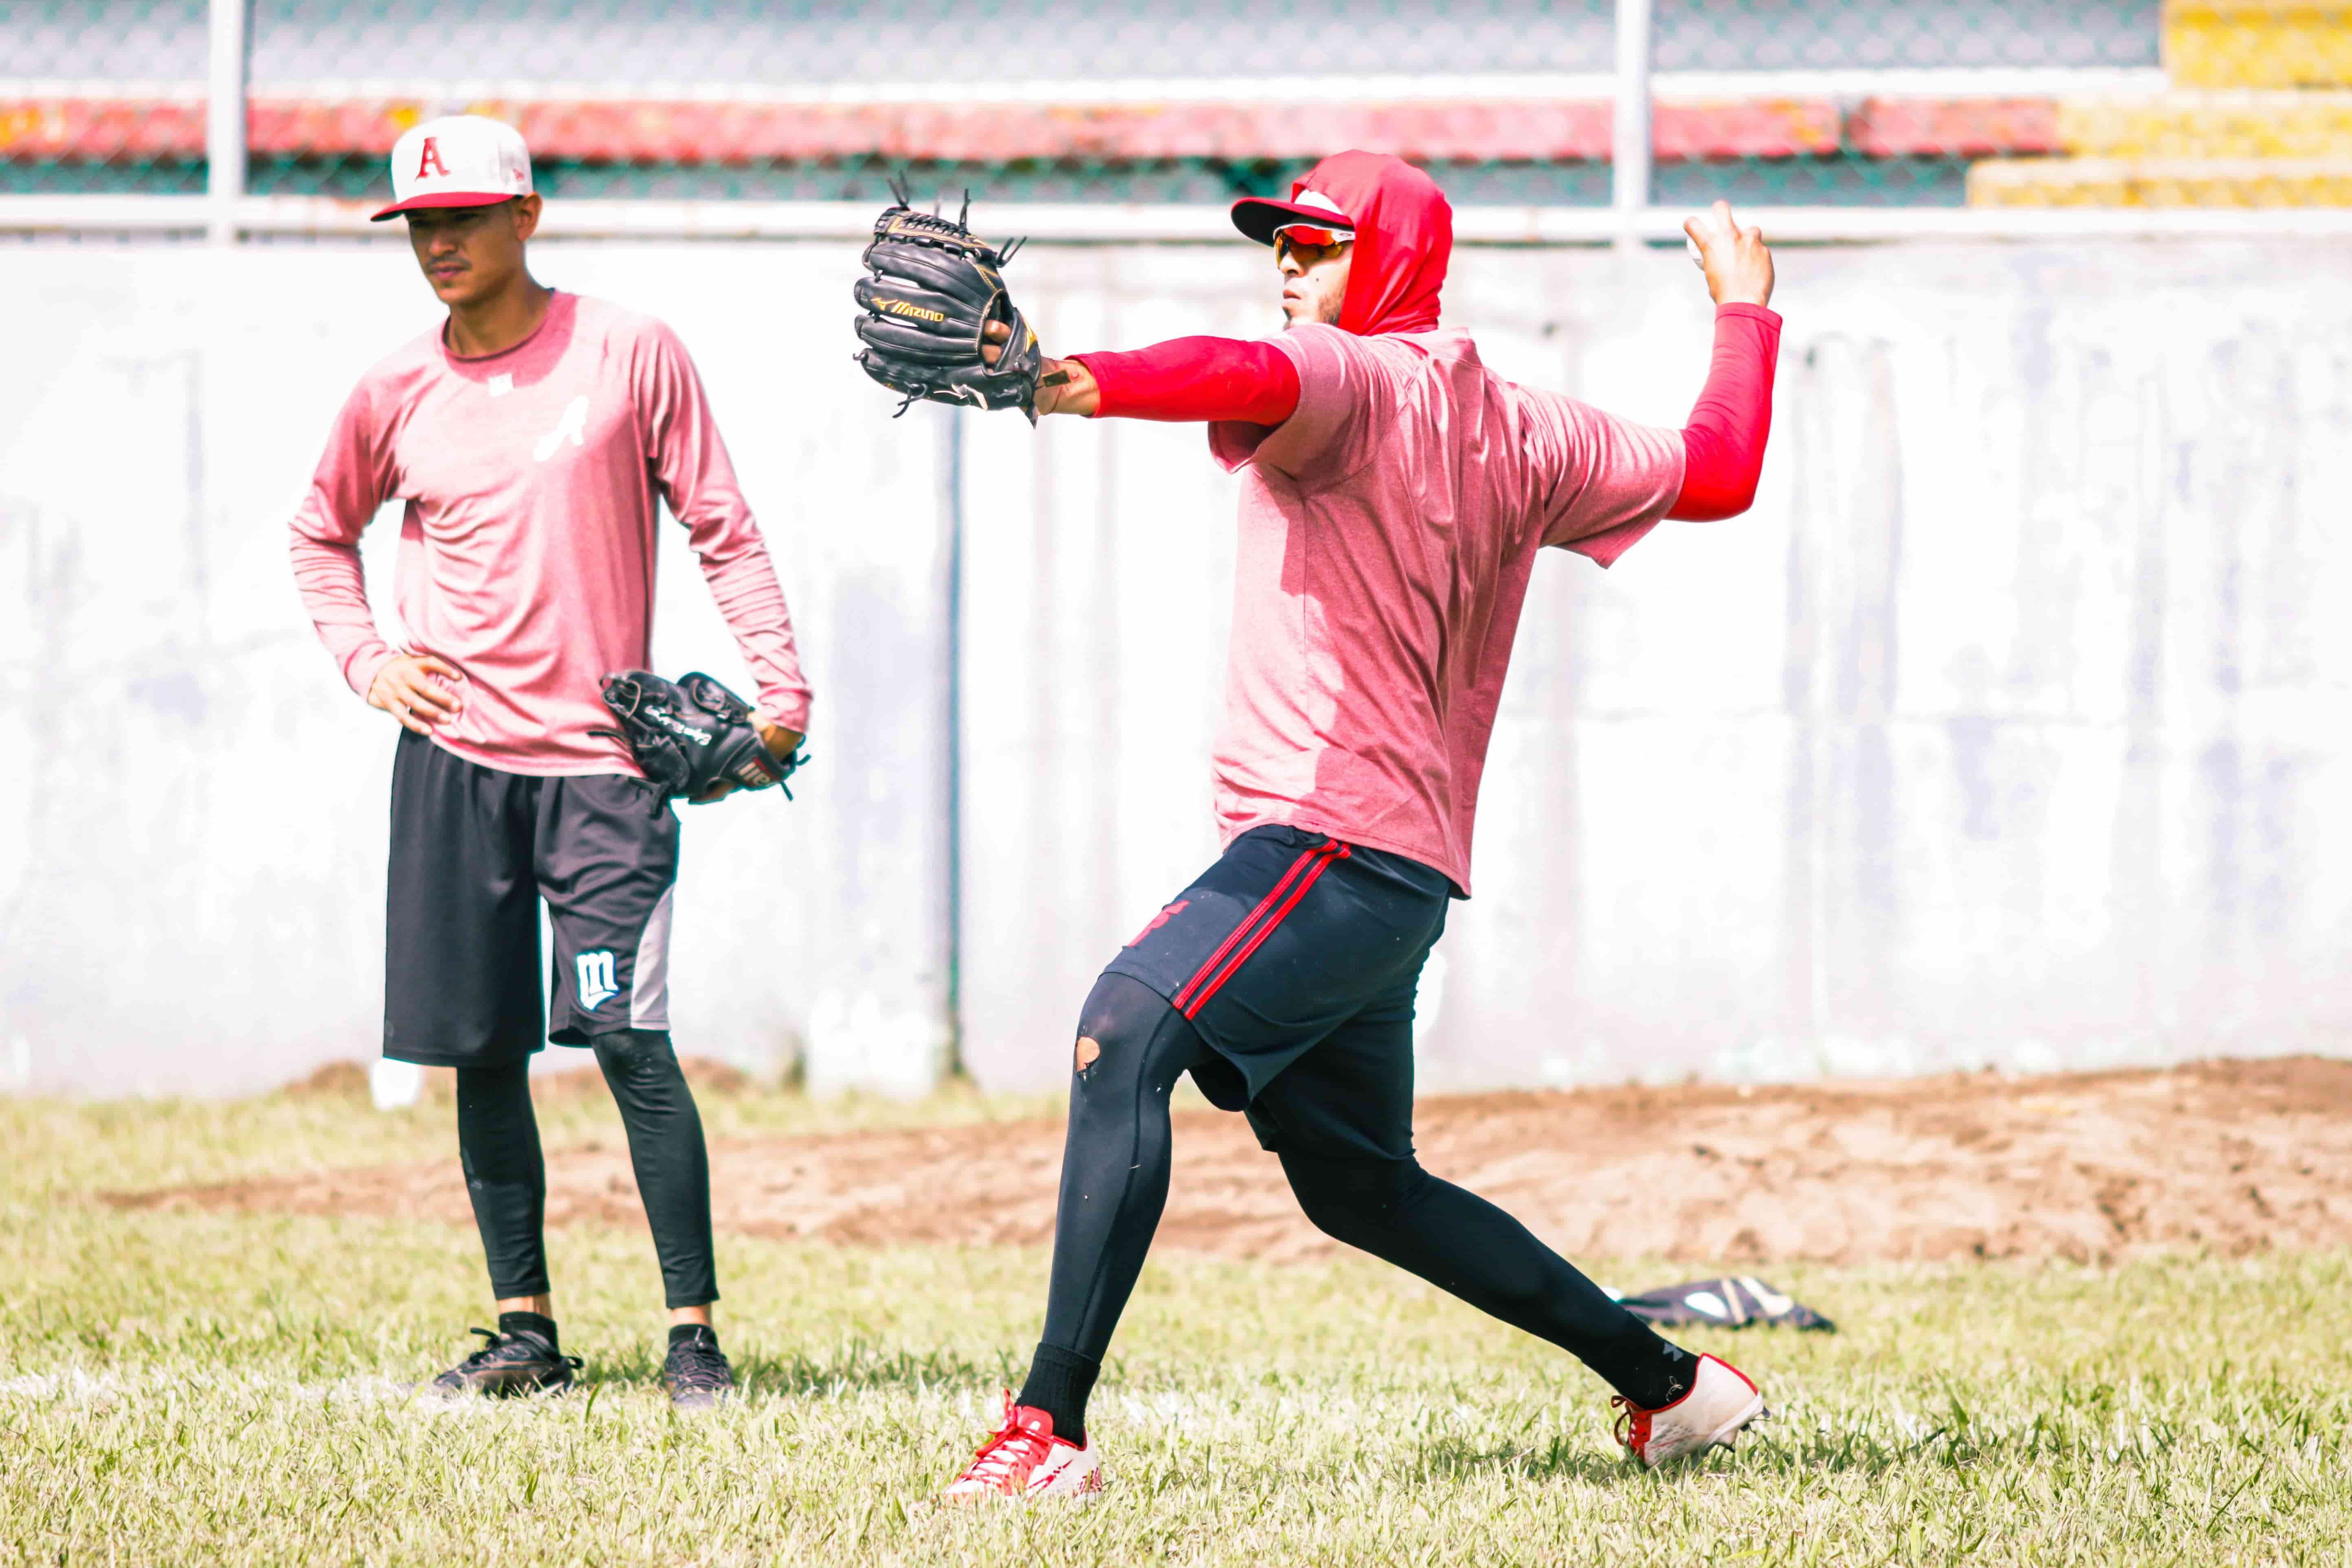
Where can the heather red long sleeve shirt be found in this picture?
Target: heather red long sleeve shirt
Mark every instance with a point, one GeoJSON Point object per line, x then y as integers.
{"type": "Point", "coordinates": [1212, 379]}
{"type": "Point", "coordinates": [532, 480]}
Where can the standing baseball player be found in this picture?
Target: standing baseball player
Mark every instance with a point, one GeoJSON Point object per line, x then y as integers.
{"type": "Point", "coordinates": [532, 438]}
{"type": "Point", "coordinates": [1394, 495]}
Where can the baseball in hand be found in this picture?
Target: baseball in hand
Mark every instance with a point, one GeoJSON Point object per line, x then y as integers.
{"type": "Point", "coordinates": [1735, 260]}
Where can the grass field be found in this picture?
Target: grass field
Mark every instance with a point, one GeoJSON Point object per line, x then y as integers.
{"type": "Point", "coordinates": [205, 1387]}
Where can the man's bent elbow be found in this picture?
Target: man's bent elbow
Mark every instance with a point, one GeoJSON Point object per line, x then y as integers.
{"type": "Point", "coordinates": [1713, 503]}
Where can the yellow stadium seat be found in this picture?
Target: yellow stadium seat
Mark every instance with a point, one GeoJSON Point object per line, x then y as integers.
{"type": "Point", "coordinates": [2257, 43]}
{"type": "Point", "coordinates": [2161, 183]}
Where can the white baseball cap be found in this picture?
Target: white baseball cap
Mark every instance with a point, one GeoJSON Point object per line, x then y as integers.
{"type": "Point", "coordinates": [457, 161]}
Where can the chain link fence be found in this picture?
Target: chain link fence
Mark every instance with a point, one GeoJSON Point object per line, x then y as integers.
{"type": "Point", "coordinates": [1510, 102]}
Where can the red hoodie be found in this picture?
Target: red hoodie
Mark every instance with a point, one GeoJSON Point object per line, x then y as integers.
{"type": "Point", "coordinates": [1403, 246]}
{"type": "Point", "coordinates": [1405, 240]}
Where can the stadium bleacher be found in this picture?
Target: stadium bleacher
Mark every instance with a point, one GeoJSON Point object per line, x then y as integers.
{"type": "Point", "coordinates": [1870, 103]}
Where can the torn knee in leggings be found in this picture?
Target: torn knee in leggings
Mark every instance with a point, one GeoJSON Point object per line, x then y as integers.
{"type": "Point", "coordinates": [1117, 1026]}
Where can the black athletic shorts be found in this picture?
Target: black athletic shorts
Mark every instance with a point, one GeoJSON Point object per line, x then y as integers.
{"type": "Point", "coordinates": [474, 850]}
{"type": "Point", "coordinates": [1296, 957]}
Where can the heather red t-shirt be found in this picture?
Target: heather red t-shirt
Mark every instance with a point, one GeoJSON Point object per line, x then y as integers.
{"type": "Point", "coordinates": [533, 479]}
{"type": "Point", "coordinates": [1387, 531]}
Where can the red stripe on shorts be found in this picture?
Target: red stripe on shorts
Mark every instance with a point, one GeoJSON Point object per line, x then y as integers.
{"type": "Point", "coordinates": [1322, 859]}
{"type": "Point", "coordinates": [1241, 930]}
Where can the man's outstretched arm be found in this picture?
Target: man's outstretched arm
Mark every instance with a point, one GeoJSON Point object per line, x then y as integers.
{"type": "Point", "coordinates": [1207, 380]}
{"type": "Point", "coordinates": [1723, 443]}
{"type": "Point", "coordinates": [1183, 381]}
{"type": "Point", "coordinates": [1192, 380]}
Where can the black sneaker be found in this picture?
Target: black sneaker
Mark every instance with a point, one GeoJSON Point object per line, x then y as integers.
{"type": "Point", "coordinates": [509, 1364]}
{"type": "Point", "coordinates": [696, 1375]}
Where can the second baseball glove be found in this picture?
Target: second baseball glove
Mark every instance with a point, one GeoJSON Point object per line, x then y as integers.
{"type": "Point", "coordinates": [931, 289]}
{"type": "Point", "coordinates": [691, 733]}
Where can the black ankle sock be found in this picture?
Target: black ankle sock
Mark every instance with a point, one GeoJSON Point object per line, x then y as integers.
{"type": "Point", "coordinates": [1058, 1384]}
{"type": "Point", "coordinates": [681, 1333]}
{"type": "Point", "coordinates": [529, 1323]}
{"type": "Point", "coordinates": [1655, 1382]}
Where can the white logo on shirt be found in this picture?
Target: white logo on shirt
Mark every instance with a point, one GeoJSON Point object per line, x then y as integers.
{"type": "Point", "coordinates": [598, 984]}
{"type": "Point", "coordinates": [573, 426]}
{"type": "Point", "coordinates": [499, 385]}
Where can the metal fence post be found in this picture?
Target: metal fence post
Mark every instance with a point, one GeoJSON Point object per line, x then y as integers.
{"type": "Point", "coordinates": [1629, 148]}
{"type": "Point", "coordinates": [951, 520]}
{"type": "Point", "coordinates": [224, 96]}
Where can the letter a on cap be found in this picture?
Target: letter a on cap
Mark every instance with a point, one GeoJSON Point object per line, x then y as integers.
{"type": "Point", "coordinates": [457, 161]}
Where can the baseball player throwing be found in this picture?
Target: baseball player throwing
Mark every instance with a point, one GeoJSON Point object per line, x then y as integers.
{"type": "Point", "coordinates": [1394, 495]}
{"type": "Point", "coordinates": [531, 436]}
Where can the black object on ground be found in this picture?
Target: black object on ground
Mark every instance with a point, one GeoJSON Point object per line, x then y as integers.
{"type": "Point", "coordinates": [1731, 1302]}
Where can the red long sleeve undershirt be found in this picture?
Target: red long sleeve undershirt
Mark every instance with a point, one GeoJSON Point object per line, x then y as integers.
{"type": "Point", "coordinates": [1194, 380]}
{"type": "Point", "coordinates": [1723, 443]}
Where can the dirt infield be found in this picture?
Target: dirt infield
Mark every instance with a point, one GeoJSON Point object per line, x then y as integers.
{"type": "Point", "coordinates": [2230, 1156]}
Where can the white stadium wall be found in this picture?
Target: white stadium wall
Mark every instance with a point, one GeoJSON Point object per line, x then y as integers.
{"type": "Point", "coordinates": [2010, 728]}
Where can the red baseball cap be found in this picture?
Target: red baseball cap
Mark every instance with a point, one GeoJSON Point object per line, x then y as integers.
{"type": "Point", "coordinates": [1262, 217]}
{"type": "Point", "coordinates": [457, 161]}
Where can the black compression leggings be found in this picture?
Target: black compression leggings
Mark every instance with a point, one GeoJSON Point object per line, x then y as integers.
{"type": "Point", "coordinates": [1114, 1158]}
{"type": "Point", "coordinates": [1115, 1165]}
{"type": "Point", "coordinates": [497, 1140]}
{"type": "Point", "coordinates": [1461, 1243]}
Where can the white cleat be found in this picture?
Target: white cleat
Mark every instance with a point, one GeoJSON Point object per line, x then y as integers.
{"type": "Point", "coordinates": [1025, 1460]}
{"type": "Point", "coordinates": [1720, 1402]}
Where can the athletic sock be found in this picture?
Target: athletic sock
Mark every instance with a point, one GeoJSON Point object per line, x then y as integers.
{"type": "Point", "coordinates": [679, 1333]}
{"type": "Point", "coordinates": [1058, 1384]}
{"type": "Point", "coordinates": [1655, 1382]}
{"type": "Point", "coordinates": [533, 1324]}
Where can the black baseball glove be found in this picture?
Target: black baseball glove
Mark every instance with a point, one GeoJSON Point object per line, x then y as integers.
{"type": "Point", "coordinates": [690, 734]}
{"type": "Point", "coordinates": [931, 290]}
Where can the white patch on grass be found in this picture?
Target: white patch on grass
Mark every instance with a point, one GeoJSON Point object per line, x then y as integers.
{"type": "Point", "coordinates": [73, 1386]}
{"type": "Point", "coordinates": [77, 1386]}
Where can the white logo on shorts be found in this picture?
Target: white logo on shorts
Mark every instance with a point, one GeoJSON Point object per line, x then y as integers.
{"type": "Point", "coordinates": [573, 427]}
{"type": "Point", "coordinates": [597, 982]}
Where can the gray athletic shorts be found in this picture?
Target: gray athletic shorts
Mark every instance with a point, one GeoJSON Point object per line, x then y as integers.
{"type": "Point", "coordinates": [474, 850]}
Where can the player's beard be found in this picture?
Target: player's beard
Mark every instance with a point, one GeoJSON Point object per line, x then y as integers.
{"type": "Point", "coordinates": [1329, 304]}
{"type": "Point", "coordinates": [1327, 312]}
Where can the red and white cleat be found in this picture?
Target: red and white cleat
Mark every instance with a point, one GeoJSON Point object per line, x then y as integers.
{"type": "Point", "coordinates": [1025, 1459]}
{"type": "Point", "coordinates": [1721, 1401]}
